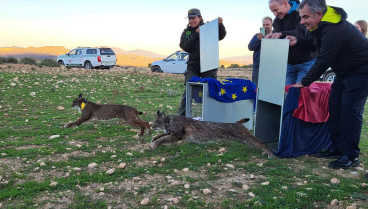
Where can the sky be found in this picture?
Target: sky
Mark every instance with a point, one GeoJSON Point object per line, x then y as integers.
{"type": "Point", "coordinates": [154, 26]}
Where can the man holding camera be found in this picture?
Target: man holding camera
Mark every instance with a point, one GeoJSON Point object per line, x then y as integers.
{"type": "Point", "coordinates": [255, 46]}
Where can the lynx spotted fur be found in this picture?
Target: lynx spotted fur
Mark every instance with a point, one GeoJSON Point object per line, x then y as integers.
{"type": "Point", "coordinates": [107, 112]}
{"type": "Point", "coordinates": [181, 128]}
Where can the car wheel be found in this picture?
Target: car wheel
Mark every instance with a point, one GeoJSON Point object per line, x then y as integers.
{"type": "Point", "coordinates": [156, 69]}
{"type": "Point", "coordinates": [88, 65]}
{"type": "Point", "coordinates": [329, 76]}
{"type": "Point", "coordinates": [61, 63]}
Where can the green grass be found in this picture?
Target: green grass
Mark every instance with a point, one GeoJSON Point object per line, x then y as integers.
{"type": "Point", "coordinates": [27, 122]}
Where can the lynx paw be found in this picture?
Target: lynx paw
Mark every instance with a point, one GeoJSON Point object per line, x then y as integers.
{"type": "Point", "coordinates": [153, 146]}
{"type": "Point", "coordinates": [269, 155]}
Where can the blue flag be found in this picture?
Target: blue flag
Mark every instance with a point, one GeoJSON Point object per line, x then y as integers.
{"type": "Point", "coordinates": [230, 90]}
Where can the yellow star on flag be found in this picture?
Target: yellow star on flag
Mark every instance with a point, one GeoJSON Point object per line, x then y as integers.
{"type": "Point", "coordinates": [223, 91]}
{"type": "Point", "coordinates": [245, 89]}
{"type": "Point", "coordinates": [200, 94]}
{"type": "Point", "coordinates": [234, 96]}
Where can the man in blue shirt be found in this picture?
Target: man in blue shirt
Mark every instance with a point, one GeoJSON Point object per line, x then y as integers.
{"type": "Point", "coordinates": [255, 46]}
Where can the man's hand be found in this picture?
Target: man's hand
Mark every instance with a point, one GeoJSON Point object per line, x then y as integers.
{"type": "Point", "coordinates": [274, 35]}
{"type": "Point", "coordinates": [220, 19]}
{"type": "Point", "coordinates": [298, 85]}
{"type": "Point", "coordinates": [197, 30]}
{"type": "Point", "coordinates": [259, 36]}
{"type": "Point", "coordinates": [293, 40]}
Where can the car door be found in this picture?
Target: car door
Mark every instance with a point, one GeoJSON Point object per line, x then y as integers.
{"type": "Point", "coordinates": [169, 64]}
{"type": "Point", "coordinates": [181, 64]}
{"type": "Point", "coordinates": [79, 57]}
{"type": "Point", "coordinates": [70, 59]}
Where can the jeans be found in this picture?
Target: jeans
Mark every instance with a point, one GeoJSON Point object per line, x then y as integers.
{"type": "Point", "coordinates": [295, 73]}
{"type": "Point", "coordinates": [255, 74]}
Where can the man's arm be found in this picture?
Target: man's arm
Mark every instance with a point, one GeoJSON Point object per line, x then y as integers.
{"type": "Point", "coordinates": [222, 30]}
{"type": "Point", "coordinates": [331, 46]}
{"type": "Point", "coordinates": [255, 43]}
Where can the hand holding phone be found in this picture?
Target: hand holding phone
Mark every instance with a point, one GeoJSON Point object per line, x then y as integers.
{"type": "Point", "coordinates": [262, 30]}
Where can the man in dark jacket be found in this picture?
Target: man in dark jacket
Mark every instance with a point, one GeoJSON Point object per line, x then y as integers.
{"type": "Point", "coordinates": [286, 23]}
{"type": "Point", "coordinates": [255, 46]}
{"type": "Point", "coordinates": [189, 42]}
{"type": "Point", "coordinates": [342, 47]}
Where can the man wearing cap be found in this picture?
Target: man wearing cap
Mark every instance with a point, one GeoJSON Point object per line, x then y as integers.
{"type": "Point", "coordinates": [189, 42]}
{"type": "Point", "coordinates": [287, 22]}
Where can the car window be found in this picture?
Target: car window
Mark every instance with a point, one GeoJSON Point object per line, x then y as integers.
{"type": "Point", "coordinates": [73, 52]}
{"type": "Point", "coordinates": [183, 57]}
{"type": "Point", "coordinates": [172, 57]}
{"type": "Point", "coordinates": [79, 51]}
{"type": "Point", "coordinates": [91, 51]}
{"type": "Point", "coordinates": [106, 51]}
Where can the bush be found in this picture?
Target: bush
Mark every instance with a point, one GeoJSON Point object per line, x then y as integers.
{"type": "Point", "coordinates": [28, 61]}
{"type": "Point", "coordinates": [12, 60]}
{"type": "Point", "coordinates": [2, 60]}
{"type": "Point", "coordinates": [234, 66]}
{"type": "Point", "coordinates": [49, 63]}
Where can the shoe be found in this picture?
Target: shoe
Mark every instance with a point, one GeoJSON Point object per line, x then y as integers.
{"type": "Point", "coordinates": [330, 153]}
{"type": "Point", "coordinates": [344, 162]}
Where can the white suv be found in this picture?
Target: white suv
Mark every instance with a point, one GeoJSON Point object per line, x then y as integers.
{"type": "Point", "coordinates": [175, 63]}
{"type": "Point", "coordinates": [88, 58]}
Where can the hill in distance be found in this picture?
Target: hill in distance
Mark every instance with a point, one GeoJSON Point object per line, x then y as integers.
{"type": "Point", "coordinates": [137, 57]}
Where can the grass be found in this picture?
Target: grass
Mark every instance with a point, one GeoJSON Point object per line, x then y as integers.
{"type": "Point", "coordinates": [27, 122]}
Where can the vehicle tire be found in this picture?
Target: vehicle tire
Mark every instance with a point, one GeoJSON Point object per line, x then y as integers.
{"type": "Point", "coordinates": [61, 63]}
{"type": "Point", "coordinates": [88, 65]}
{"type": "Point", "coordinates": [329, 76]}
{"type": "Point", "coordinates": [156, 69]}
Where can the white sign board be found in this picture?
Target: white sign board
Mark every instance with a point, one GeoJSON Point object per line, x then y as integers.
{"type": "Point", "coordinates": [272, 70]}
{"type": "Point", "coordinates": [209, 45]}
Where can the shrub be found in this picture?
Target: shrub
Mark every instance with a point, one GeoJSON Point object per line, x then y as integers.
{"type": "Point", "coordinates": [49, 63]}
{"type": "Point", "coordinates": [28, 61]}
{"type": "Point", "coordinates": [2, 60]}
{"type": "Point", "coordinates": [12, 60]}
{"type": "Point", "coordinates": [234, 66]}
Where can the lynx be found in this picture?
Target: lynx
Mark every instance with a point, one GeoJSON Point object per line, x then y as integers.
{"type": "Point", "coordinates": [107, 112]}
{"type": "Point", "coordinates": [178, 128]}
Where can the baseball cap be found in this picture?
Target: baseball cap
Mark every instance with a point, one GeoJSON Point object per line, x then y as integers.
{"type": "Point", "coordinates": [194, 12]}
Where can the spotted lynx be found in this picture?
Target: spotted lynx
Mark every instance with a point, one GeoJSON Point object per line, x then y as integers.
{"type": "Point", "coordinates": [107, 112]}
{"type": "Point", "coordinates": [181, 128]}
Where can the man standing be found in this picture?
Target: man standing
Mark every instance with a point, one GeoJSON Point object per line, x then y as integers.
{"type": "Point", "coordinates": [343, 48]}
{"type": "Point", "coordinates": [287, 23]}
{"type": "Point", "coordinates": [189, 42]}
{"type": "Point", "coordinates": [255, 46]}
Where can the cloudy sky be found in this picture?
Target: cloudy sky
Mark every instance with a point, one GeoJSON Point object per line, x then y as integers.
{"type": "Point", "coordinates": [135, 24]}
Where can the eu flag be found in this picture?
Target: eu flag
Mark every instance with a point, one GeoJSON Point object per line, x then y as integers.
{"type": "Point", "coordinates": [230, 90]}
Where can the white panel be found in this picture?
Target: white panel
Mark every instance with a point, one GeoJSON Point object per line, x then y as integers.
{"type": "Point", "coordinates": [209, 45]}
{"type": "Point", "coordinates": [272, 70]}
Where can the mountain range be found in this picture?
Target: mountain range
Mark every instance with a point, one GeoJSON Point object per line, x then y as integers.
{"type": "Point", "coordinates": [137, 57]}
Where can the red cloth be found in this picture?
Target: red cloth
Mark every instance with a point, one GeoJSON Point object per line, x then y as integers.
{"type": "Point", "coordinates": [313, 103]}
